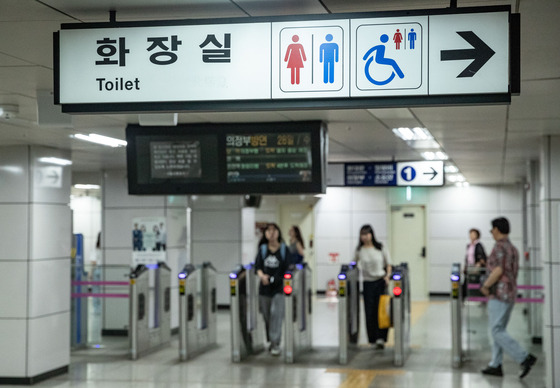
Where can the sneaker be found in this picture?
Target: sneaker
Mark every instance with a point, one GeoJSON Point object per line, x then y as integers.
{"type": "Point", "coordinates": [275, 351]}
{"type": "Point", "coordinates": [379, 344]}
{"type": "Point", "coordinates": [491, 371]}
{"type": "Point", "coordinates": [527, 365]}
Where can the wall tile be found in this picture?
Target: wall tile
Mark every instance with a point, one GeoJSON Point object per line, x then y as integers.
{"type": "Point", "coordinates": [115, 192]}
{"type": "Point", "coordinates": [14, 231]}
{"type": "Point", "coordinates": [14, 290]}
{"type": "Point", "coordinates": [52, 351]}
{"type": "Point", "coordinates": [216, 225]}
{"type": "Point", "coordinates": [447, 251]}
{"type": "Point", "coordinates": [335, 225]}
{"type": "Point", "coordinates": [369, 200]}
{"type": "Point", "coordinates": [176, 227]}
{"type": "Point", "coordinates": [510, 198]}
{"type": "Point", "coordinates": [216, 202]}
{"type": "Point", "coordinates": [457, 199]}
{"type": "Point", "coordinates": [438, 278]}
{"type": "Point", "coordinates": [14, 174]}
{"type": "Point", "coordinates": [49, 287]}
{"type": "Point", "coordinates": [51, 183]}
{"type": "Point", "coordinates": [326, 273]}
{"type": "Point", "coordinates": [344, 247]}
{"type": "Point", "coordinates": [51, 231]}
{"type": "Point", "coordinates": [336, 199]}
{"type": "Point", "coordinates": [12, 347]}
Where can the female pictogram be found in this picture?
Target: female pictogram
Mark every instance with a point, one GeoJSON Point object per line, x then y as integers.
{"type": "Point", "coordinates": [380, 59]}
{"type": "Point", "coordinates": [295, 56]}
{"type": "Point", "coordinates": [397, 38]}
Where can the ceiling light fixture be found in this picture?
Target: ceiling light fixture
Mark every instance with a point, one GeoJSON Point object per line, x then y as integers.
{"type": "Point", "coordinates": [86, 186]}
{"type": "Point", "coordinates": [415, 133]}
{"type": "Point", "coordinates": [99, 139]}
{"type": "Point", "coordinates": [450, 169]}
{"type": "Point", "coordinates": [57, 161]}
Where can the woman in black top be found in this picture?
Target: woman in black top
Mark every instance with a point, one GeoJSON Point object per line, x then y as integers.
{"type": "Point", "coordinates": [271, 263]}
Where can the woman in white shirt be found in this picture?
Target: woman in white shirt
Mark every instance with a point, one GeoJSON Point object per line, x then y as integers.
{"type": "Point", "coordinates": [375, 266]}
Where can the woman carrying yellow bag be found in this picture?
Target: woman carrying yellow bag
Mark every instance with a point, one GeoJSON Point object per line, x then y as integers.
{"type": "Point", "coordinates": [375, 266]}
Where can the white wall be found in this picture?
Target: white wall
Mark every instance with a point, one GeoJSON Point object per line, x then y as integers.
{"type": "Point", "coordinates": [450, 213]}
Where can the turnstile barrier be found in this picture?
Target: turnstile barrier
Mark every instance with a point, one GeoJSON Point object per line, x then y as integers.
{"type": "Point", "coordinates": [197, 309]}
{"type": "Point", "coordinates": [247, 325]}
{"type": "Point", "coordinates": [401, 312]}
{"type": "Point", "coordinates": [348, 309]}
{"type": "Point", "coordinates": [145, 334]}
{"type": "Point", "coordinates": [298, 311]}
{"type": "Point", "coordinates": [456, 317]}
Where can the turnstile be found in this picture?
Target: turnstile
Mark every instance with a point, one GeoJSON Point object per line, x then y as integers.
{"type": "Point", "coordinates": [197, 309]}
{"type": "Point", "coordinates": [247, 325]}
{"type": "Point", "coordinates": [146, 331]}
{"type": "Point", "coordinates": [401, 312]}
{"type": "Point", "coordinates": [456, 318]}
{"type": "Point", "coordinates": [298, 311]}
{"type": "Point", "coordinates": [348, 309]}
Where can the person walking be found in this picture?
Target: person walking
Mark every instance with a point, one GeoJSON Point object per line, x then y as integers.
{"type": "Point", "coordinates": [375, 265]}
{"type": "Point", "coordinates": [273, 258]}
{"type": "Point", "coordinates": [297, 245]}
{"type": "Point", "coordinates": [501, 289]}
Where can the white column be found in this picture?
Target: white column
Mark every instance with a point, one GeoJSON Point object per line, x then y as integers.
{"type": "Point", "coordinates": [533, 273]}
{"type": "Point", "coordinates": [550, 237]}
{"type": "Point", "coordinates": [35, 236]}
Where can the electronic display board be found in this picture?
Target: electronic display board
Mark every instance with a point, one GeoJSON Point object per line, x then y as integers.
{"type": "Point", "coordinates": [252, 158]}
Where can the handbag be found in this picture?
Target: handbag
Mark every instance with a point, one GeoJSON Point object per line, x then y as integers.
{"type": "Point", "coordinates": [384, 312]}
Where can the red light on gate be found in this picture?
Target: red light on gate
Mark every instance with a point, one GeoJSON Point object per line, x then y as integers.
{"type": "Point", "coordinates": [288, 290]}
{"type": "Point", "coordinates": [397, 291]}
{"type": "Point", "coordinates": [287, 276]}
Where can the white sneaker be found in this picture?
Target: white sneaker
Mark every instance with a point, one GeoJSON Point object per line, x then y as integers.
{"type": "Point", "coordinates": [275, 351]}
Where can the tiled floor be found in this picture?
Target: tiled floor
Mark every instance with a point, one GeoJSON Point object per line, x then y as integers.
{"type": "Point", "coordinates": [428, 364]}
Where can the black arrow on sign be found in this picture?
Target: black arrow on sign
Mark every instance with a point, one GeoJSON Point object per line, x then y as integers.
{"type": "Point", "coordinates": [480, 52]}
{"type": "Point", "coordinates": [433, 173]}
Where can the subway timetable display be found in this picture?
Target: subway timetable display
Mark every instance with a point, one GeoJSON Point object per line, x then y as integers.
{"type": "Point", "coordinates": [240, 158]}
{"type": "Point", "coordinates": [269, 157]}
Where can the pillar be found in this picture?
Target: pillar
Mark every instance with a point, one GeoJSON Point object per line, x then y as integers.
{"type": "Point", "coordinates": [35, 236]}
{"type": "Point", "coordinates": [550, 248]}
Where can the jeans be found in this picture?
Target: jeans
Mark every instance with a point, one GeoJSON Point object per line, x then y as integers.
{"type": "Point", "coordinates": [498, 318]}
{"type": "Point", "coordinates": [272, 309]}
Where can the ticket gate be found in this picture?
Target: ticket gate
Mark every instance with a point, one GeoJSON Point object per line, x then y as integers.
{"type": "Point", "coordinates": [401, 312]}
{"type": "Point", "coordinates": [348, 309]}
{"type": "Point", "coordinates": [456, 317]}
{"type": "Point", "coordinates": [298, 311]}
{"type": "Point", "coordinates": [197, 310]}
{"type": "Point", "coordinates": [247, 325]}
{"type": "Point", "coordinates": [149, 327]}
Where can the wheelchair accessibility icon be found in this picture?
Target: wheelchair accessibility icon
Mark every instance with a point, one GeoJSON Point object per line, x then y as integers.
{"type": "Point", "coordinates": [377, 54]}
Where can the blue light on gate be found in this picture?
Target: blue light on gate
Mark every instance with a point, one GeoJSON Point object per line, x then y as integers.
{"type": "Point", "coordinates": [352, 263]}
{"type": "Point", "coordinates": [299, 266]}
{"type": "Point", "coordinates": [233, 275]}
{"type": "Point", "coordinates": [455, 277]}
{"type": "Point", "coordinates": [182, 275]}
{"type": "Point", "coordinates": [342, 276]}
{"type": "Point", "coordinates": [152, 266]}
{"type": "Point", "coordinates": [397, 276]}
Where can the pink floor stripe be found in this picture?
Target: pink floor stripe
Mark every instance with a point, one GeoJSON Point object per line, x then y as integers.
{"type": "Point", "coordinates": [94, 283]}
{"type": "Point", "coordinates": [518, 300]}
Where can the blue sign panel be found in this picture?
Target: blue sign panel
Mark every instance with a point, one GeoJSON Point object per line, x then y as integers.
{"type": "Point", "coordinates": [370, 174]}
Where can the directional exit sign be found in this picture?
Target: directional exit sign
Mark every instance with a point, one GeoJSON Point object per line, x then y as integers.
{"type": "Point", "coordinates": [425, 173]}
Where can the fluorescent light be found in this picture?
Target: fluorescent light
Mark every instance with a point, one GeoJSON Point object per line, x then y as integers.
{"type": "Point", "coordinates": [103, 140]}
{"type": "Point", "coordinates": [450, 169]}
{"type": "Point", "coordinates": [57, 161]}
{"type": "Point", "coordinates": [438, 155]}
{"type": "Point", "coordinates": [87, 187]}
{"type": "Point", "coordinates": [455, 178]}
{"type": "Point", "coordinates": [462, 184]}
{"type": "Point", "coordinates": [415, 133]}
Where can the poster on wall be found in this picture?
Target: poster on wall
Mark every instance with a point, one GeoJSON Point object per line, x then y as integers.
{"type": "Point", "coordinates": [149, 240]}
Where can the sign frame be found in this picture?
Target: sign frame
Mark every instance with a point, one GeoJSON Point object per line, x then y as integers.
{"type": "Point", "coordinates": [306, 102]}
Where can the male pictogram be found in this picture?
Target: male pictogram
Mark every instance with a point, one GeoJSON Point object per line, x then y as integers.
{"type": "Point", "coordinates": [295, 56]}
{"type": "Point", "coordinates": [412, 38]}
{"type": "Point", "coordinates": [328, 56]}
